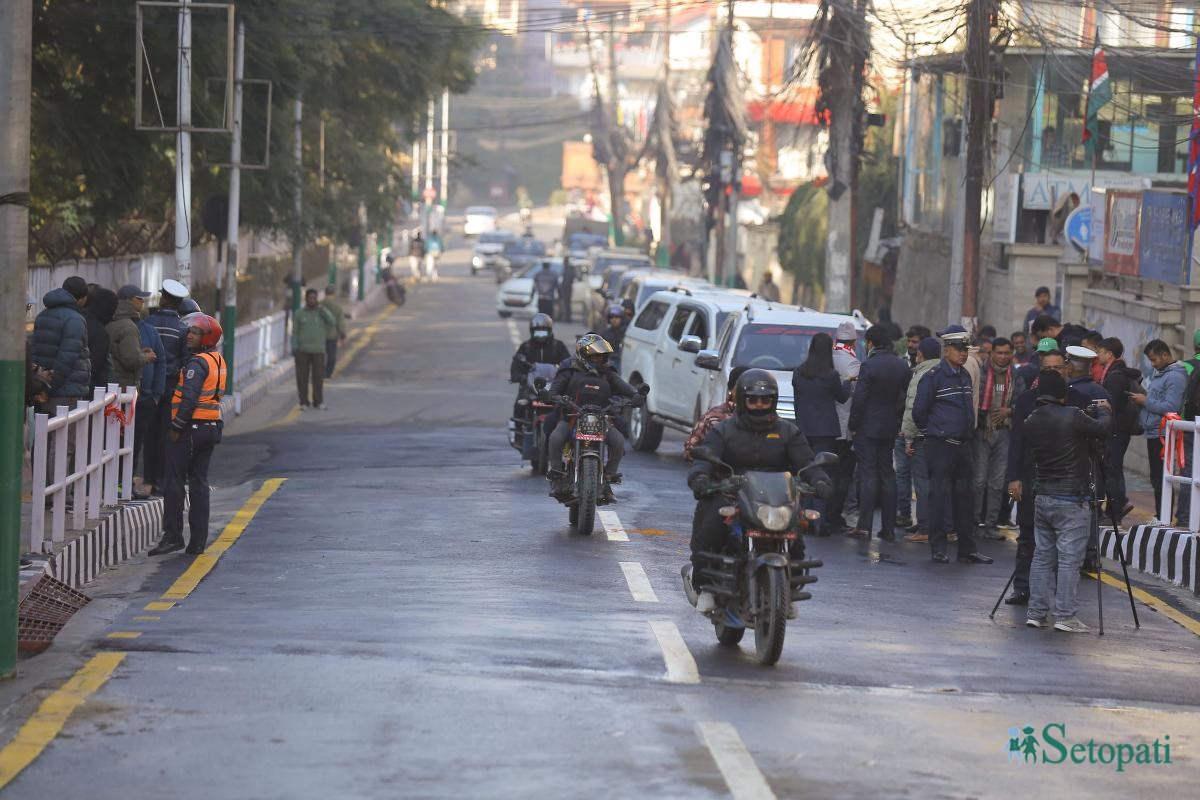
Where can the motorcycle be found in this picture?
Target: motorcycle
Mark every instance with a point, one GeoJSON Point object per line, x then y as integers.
{"type": "Point", "coordinates": [394, 287]}
{"type": "Point", "coordinates": [527, 433]}
{"type": "Point", "coordinates": [585, 455]}
{"type": "Point", "coordinates": [763, 571]}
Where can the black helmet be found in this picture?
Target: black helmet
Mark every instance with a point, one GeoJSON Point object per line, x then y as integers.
{"type": "Point", "coordinates": [541, 323]}
{"type": "Point", "coordinates": [615, 310]}
{"type": "Point", "coordinates": [593, 350]}
{"type": "Point", "coordinates": [756, 383]}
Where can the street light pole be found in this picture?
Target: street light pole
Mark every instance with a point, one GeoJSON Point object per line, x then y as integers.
{"type": "Point", "coordinates": [183, 151]}
{"type": "Point", "coordinates": [16, 58]}
{"type": "Point", "coordinates": [229, 316]}
{"type": "Point", "coordinates": [298, 245]}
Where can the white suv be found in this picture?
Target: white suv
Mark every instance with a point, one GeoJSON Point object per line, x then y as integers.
{"type": "Point", "coordinates": [685, 341]}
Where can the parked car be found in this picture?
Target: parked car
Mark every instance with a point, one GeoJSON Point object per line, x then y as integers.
{"type": "Point", "coordinates": [518, 254]}
{"type": "Point", "coordinates": [479, 220]}
{"type": "Point", "coordinates": [685, 341]}
{"type": "Point", "coordinates": [517, 296]}
{"type": "Point", "coordinates": [612, 265]}
{"type": "Point", "coordinates": [487, 250]}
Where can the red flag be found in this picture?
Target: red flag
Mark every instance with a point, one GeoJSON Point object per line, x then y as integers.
{"type": "Point", "coordinates": [1194, 149]}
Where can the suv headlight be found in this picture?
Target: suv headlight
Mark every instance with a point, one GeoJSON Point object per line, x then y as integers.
{"type": "Point", "coordinates": [774, 518]}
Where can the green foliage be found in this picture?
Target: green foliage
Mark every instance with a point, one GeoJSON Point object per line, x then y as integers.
{"type": "Point", "coordinates": [367, 67]}
{"type": "Point", "coordinates": [802, 236]}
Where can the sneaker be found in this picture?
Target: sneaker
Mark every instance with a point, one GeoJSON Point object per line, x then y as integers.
{"type": "Point", "coordinates": [904, 522]}
{"type": "Point", "coordinates": [1072, 625]}
{"type": "Point", "coordinates": [304, 406]}
{"type": "Point", "coordinates": [953, 537]}
{"type": "Point", "coordinates": [706, 602]}
{"type": "Point", "coordinates": [321, 407]}
{"type": "Point", "coordinates": [1036, 622]}
{"type": "Point", "coordinates": [912, 528]}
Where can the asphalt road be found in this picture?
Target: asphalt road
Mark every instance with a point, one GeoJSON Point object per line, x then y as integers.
{"type": "Point", "coordinates": [411, 616]}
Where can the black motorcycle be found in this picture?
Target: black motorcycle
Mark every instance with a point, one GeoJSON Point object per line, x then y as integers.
{"type": "Point", "coordinates": [527, 431]}
{"type": "Point", "coordinates": [585, 454]}
{"type": "Point", "coordinates": [394, 287]}
{"type": "Point", "coordinates": [763, 569]}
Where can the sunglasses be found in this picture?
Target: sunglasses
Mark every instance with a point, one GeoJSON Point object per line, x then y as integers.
{"type": "Point", "coordinates": [759, 402]}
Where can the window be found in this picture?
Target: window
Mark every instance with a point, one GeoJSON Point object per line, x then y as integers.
{"type": "Point", "coordinates": [679, 323]}
{"type": "Point", "coordinates": [727, 332]}
{"type": "Point", "coordinates": [700, 328]}
{"type": "Point", "coordinates": [652, 316]}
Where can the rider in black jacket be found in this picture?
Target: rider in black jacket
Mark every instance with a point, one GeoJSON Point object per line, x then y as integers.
{"type": "Point", "coordinates": [588, 380]}
{"type": "Point", "coordinates": [753, 439]}
{"type": "Point", "coordinates": [540, 348]}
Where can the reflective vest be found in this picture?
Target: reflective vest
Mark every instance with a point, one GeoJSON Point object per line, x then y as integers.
{"type": "Point", "coordinates": [208, 406]}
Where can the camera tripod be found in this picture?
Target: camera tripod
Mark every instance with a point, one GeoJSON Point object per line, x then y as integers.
{"type": "Point", "coordinates": [1099, 470]}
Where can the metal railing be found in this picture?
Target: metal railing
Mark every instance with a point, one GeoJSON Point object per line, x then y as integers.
{"type": "Point", "coordinates": [258, 345]}
{"type": "Point", "coordinates": [1175, 476]}
{"type": "Point", "coordinates": [87, 450]}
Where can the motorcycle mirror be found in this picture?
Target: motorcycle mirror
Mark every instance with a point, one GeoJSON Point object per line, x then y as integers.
{"type": "Point", "coordinates": [821, 460]}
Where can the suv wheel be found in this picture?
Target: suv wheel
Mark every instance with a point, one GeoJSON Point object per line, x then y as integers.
{"type": "Point", "coordinates": [646, 433]}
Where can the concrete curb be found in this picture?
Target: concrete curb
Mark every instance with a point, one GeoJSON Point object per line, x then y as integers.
{"type": "Point", "coordinates": [121, 533]}
{"type": "Point", "coordinates": [1171, 554]}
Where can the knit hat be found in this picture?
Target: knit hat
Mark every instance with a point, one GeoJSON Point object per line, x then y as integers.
{"type": "Point", "coordinates": [846, 332]}
{"type": "Point", "coordinates": [1047, 345]}
{"type": "Point", "coordinates": [930, 347]}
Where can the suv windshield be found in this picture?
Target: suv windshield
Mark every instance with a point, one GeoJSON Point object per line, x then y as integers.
{"type": "Point", "coordinates": [496, 237]}
{"type": "Point", "coordinates": [524, 246]}
{"type": "Point", "coordinates": [777, 347]}
{"type": "Point", "coordinates": [536, 266]}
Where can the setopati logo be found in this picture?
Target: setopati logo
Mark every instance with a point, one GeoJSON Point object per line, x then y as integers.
{"type": "Point", "coordinates": [1027, 745]}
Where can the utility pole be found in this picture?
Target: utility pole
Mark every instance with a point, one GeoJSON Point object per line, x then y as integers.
{"type": "Point", "coordinates": [616, 169]}
{"type": "Point", "coordinates": [183, 151]}
{"type": "Point", "coordinates": [445, 150]}
{"type": "Point", "coordinates": [428, 206]}
{"type": "Point", "coordinates": [978, 121]}
{"type": "Point", "coordinates": [16, 78]}
{"type": "Point", "coordinates": [416, 172]}
{"type": "Point", "coordinates": [730, 267]}
{"type": "Point", "coordinates": [298, 244]}
{"type": "Point", "coordinates": [665, 130]}
{"type": "Point", "coordinates": [229, 316]}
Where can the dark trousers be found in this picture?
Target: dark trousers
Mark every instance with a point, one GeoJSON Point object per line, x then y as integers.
{"type": "Point", "coordinates": [613, 441]}
{"type": "Point", "coordinates": [1154, 455]}
{"type": "Point", "coordinates": [951, 486]}
{"type": "Point", "coordinates": [904, 479]}
{"type": "Point", "coordinates": [709, 531]}
{"type": "Point", "coordinates": [546, 305]}
{"type": "Point", "coordinates": [564, 307]}
{"type": "Point", "coordinates": [187, 461]}
{"type": "Point", "coordinates": [331, 348]}
{"type": "Point", "coordinates": [1025, 548]}
{"type": "Point", "coordinates": [143, 421]}
{"type": "Point", "coordinates": [842, 478]}
{"type": "Point", "coordinates": [820, 444]}
{"type": "Point", "coordinates": [876, 483]}
{"type": "Point", "coordinates": [310, 365]}
{"type": "Point", "coordinates": [1118, 445]}
{"type": "Point", "coordinates": [154, 469]}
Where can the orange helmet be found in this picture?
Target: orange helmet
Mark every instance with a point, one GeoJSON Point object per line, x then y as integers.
{"type": "Point", "coordinates": [208, 328]}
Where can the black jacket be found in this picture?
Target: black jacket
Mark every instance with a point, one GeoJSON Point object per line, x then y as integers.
{"type": "Point", "coordinates": [614, 336]}
{"type": "Point", "coordinates": [779, 447]}
{"type": "Point", "coordinates": [816, 402]}
{"type": "Point", "coordinates": [944, 407]}
{"type": "Point", "coordinates": [1120, 380]}
{"type": "Point", "coordinates": [102, 304]}
{"type": "Point", "coordinates": [1020, 457]}
{"type": "Point", "coordinates": [174, 339]}
{"type": "Point", "coordinates": [1058, 435]}
{"type": "Point", "coordinates": [1082, 392]}
{"type": "Point", "coordinates": [551, 351]}
{"type": "Point", "coordinates": [585, 387]}
{"type": "Point", "coordinates": [878, 405]}
{"type": "Point", "coordinates": [60, 344]}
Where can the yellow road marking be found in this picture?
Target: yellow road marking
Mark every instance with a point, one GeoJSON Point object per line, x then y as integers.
{"type": "Point", "coordinates": [53, 713]}
{"type": "Point", "coordinates": [1166, 609]}
{"type": "Point", "coordinates": [158, 605]}
{"type": "Point", "coordinates": [124, 634]}
{"type": "Point", "coordinates": [186, 583]}
{"type": "Point", "coordinates": [363, 339]}
{"type": "Point", "coordinates": [651, 532]}
{"type": "Point", "coordinates": [147, 619]}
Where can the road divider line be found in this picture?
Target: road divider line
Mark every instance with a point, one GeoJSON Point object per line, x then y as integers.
{"type": "Point", "coordinates": [158, 605]}
{"type": "Point", "coordinates": [639, 584]}
{"type": "Point", "coordinates": [186, 583]}
{"type": "Point", "coordinates": [612, 526]}
{"type": "Point", "coordinates": [681, 667]}
{"type": "Point", "coordinates": [514, 334]}
{"type": "Point", "coordinates": [737, 766]}
{"type": "Point", "coordinates": [48, 721]}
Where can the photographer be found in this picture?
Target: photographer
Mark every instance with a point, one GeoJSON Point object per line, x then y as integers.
{"type": "Point", "coordinates": [1061, 439]}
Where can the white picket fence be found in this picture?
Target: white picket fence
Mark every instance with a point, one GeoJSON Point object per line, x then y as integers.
{"type": "Point", "coordinates": [258, 345]}
{"type": "Point", "coordinates": [89, 450]}
{"type": "Point", "coordinates": [1176, 479]}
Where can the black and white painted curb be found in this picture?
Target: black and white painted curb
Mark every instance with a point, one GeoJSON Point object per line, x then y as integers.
{"type": "Point", "coordinates": [1168, 553]}
{"type": "Point", "coordinates": [122, 533]}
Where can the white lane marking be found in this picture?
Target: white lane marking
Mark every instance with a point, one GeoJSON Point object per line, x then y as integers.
{"type": "Point", "coordinates": [514, 334]}
{"type": "Point", "coordinates": [612, 526]}
{"type": "Point", "coordinates": [681, 667]}
{"type": "Point", "coordinates": [737, 766]}
{"type": "Point", "coordinates": [639, 584]}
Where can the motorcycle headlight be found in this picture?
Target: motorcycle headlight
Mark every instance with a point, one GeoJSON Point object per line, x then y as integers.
{"type": "Point", "coordinates": [590, 423]}
{"type": "Point", "coordinates": [476, 261]}
{"type": "Point", "coordinates": [774, 518]}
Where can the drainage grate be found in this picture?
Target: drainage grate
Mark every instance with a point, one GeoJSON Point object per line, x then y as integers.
{"type": "Point", "coordinates": [45, 608]}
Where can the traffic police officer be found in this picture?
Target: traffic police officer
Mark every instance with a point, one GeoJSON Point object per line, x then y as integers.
{"type": "Point", "coordinates": [195, 429]}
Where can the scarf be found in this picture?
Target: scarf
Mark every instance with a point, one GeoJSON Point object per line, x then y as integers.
{"type": "Point", "coordinates": [989, 386]}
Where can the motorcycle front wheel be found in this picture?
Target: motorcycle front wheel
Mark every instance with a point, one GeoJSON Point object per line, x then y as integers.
{"type": "Point", "coordinates": [770, 621]}
{"type": "Point", "coordinates": [589, 490]}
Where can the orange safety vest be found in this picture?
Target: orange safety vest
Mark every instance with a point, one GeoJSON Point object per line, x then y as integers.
{"type": "Point", "coordinates": [208, 407]}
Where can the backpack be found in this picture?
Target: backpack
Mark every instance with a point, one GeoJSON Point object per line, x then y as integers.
{"type": "Point", "coordinates": [1191, 393]}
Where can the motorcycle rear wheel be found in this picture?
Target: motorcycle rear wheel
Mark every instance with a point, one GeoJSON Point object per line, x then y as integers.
{"type": "Point", "coordinates": [589, 491]}
{"type": "Point", "coordinates": [770, 622]}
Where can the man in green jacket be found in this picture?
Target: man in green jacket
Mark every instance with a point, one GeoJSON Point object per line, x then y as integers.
{"type": "Point", "coordinates": [337, 335]}
{"type": "Point", "coordinates": [125, 341]}
{"type": "Point", "coordinates": [312, 326]}
{"type": "Point", "coordinates": [928, 356]}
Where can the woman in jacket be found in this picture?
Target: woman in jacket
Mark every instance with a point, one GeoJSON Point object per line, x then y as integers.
{"type": "Point", "coordinates": [816, 390]}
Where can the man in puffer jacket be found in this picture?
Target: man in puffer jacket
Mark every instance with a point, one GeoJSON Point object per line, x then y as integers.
{"type": "Point", "coordinates": [124, 341]}
{"type": "Point", "coordinates": [1164, 395]}
{"type": "Point", "coordinates": [60, 345]}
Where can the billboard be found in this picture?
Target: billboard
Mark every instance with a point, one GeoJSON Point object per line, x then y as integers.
{"type": "Point", "coordinates": [1122, 220]}
{"type": "Point", "coordinates": [1163, 236]}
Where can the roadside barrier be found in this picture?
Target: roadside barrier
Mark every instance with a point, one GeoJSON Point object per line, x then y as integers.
{"type": "Point", "coordinates": [86, 450]}
{"type": "Point", "coordinates": [1176, 476]}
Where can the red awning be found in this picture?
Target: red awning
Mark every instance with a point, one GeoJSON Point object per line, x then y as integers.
{"type": "Point", "coordinates": [801, 111]}
{"type": "Point", "coordinates": [751, 185]}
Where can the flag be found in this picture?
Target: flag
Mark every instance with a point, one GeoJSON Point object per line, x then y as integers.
{"type": "Point", "coordinates": [1099, 95]}
{"type": "Point", "coordinates": [1194, 148]}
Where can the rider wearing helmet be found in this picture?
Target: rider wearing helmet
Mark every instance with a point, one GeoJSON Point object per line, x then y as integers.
{"type": "Point", "coordinates": [753, 439]}
{"type": "Point", "coordinates": [195, 430]}
{"type": "Point", "coordinates": [614, 334]}
{"type": "Point", "coordinates": [540, 348]}
{"type": "Point", "coordinates": [589, 379]}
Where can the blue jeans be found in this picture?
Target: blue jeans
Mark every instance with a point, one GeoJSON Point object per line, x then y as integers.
{"type": "Point", "coordinates": [904, 482]}
{"type": "Point", "coordinates": [919, 468]}
{"type": "Point", "coordinates": [1061, 529]}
